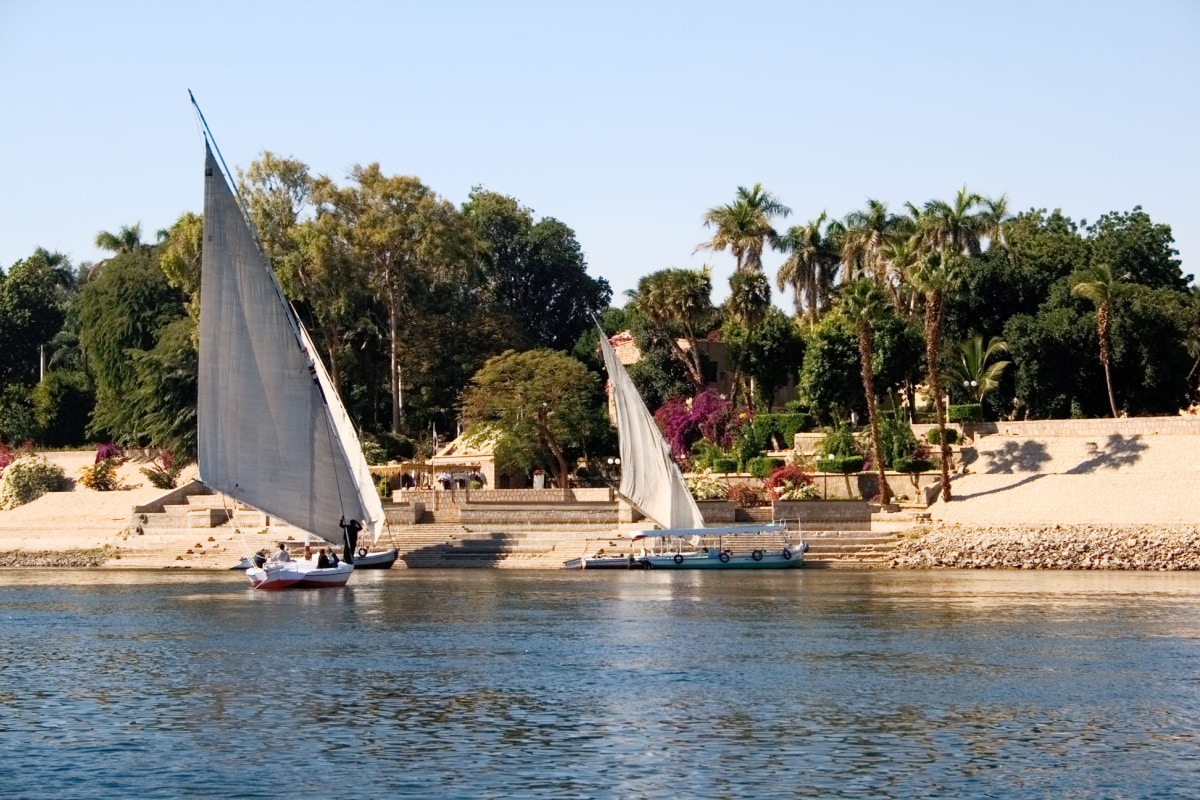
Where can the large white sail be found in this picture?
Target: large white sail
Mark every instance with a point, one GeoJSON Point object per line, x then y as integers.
{"type": "Point", "coordinates": [264, 433]}
{"type": "Point", "coordinates": [650, 478]}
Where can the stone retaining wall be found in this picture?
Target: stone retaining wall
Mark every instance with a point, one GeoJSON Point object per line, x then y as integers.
{"type": "Point", "coordinates": [527, 514]}
{"type": "Point", "coordinates": [1159, 548]}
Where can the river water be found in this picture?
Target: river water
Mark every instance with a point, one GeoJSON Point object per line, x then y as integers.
{"type": "Point", "coordinates": [500, 683]}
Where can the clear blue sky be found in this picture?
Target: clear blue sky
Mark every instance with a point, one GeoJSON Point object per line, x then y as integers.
{"type": "Point", "coordinates": [625, 120]}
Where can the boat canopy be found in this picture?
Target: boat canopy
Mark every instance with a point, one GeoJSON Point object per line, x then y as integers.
{"type": "Point", "coordinates": [731, 530]}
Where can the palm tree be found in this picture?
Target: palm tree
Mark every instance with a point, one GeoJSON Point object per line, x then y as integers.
{"type": "Point", "coordinates": [744, 226]}
{"type": "Point", "coordinates": [940, 274]}
{"type": "Point", "coordinates": [958, 228]}
{"type": "Point", "coordinates": [1098, 285]}
{"type": "Point", "coordinates": [975, 370]}
{"type": "Point", "coordinates": [127, 240]}
{"type": "Point", "coordinates": [811, 267]}
{"type": "Point", "coordinates": [678, 302]}
{"type": "Point", "coordinates": [864, 303]}
{"type": "Point", "coordinates": [864, 239]}
{"type": "Point", "coordinates": [749, 299]}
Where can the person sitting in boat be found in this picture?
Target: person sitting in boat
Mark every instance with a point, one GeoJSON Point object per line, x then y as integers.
{"type": "Point", "coordinates": [333, 559]}
{"type": "Point", "coordinates": [283, 555]}
{"type": "Point", "coordinates": [322, 560]}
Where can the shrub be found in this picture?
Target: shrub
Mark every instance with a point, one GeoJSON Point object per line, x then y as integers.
{"type": "Point", "coordinates": [838, 442]}
{"type": "Point", "coordinates": [374, 452]}
{"type": "Point", "coordinates": [913, 466]}
{"type": "Point", "coordinates": [790, 482]}
{"type": "Point", "coordinates": [848, 465]}
{"type": "Point", "coordinates": [395, 446]}
{"type": "Point", "coordinates": [763, 466]}
{"type": "Point", "coordinates": [101, 476]}
{"type": "Point", "coordinates": [896, 439]}
{"type": "Point", "coordinates": [384, 487]}
{"type": "Point", "coordinates": [725, 465]}
{"type": "Point", "coordinates": [28, 478]}
{"type": "Point", "coordinates": [935, 436]}
{"type": "Point", "coordinates": [704, 453]}
{"type": "Point", "coordinates": [747, 496]}
{"type": "Point", "coordinates": [163, 473]}
{"type": "Point", "coordinates": [107, 450]}
{"type": "Point", "coordinates": [969, 412]}
{"type": "Point", "coordinates": [706, 486]}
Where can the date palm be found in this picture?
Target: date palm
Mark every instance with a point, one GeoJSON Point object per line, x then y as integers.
{"type": "Point", "coordinates": [939, 275]}
{"type": "Point", "coordinates": [749, 299]}
{"type": "Point", "coordinates": [744, 226]}
{"type": "Point", "coordinates": [1101, 287]}
{"type": "Point", "coordinates": [864, 304]}
{"type": "Point", "coordinates": [957, 227]}
{"type": "Point", "coordinates": [811, 267]}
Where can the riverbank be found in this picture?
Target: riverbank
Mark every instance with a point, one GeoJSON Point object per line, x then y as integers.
{"type": "Point", "coordinates": [1069, 547]}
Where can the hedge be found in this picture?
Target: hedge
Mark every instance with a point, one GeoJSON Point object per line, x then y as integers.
{"type": "Point", "coordinates": [969, 412]}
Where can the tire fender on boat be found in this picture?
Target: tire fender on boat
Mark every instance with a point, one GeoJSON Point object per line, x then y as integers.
{"type": "Point", "coordinates": [362, 552]}
{"type": "Point", "coordinates": [787, 554]}
{"type": "Point", "coordinates": [724, 557]}
{"type": "Point", "coordinates": [757, 555]}
{"type": "Point", "coordinates": [678, 558]}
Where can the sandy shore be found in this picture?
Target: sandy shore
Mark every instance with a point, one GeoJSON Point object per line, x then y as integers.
{"type": "Point", "coordinates": [77, 526]}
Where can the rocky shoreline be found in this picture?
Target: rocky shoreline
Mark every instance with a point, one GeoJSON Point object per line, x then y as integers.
{"type": "Point", "coordinates": [66, 559]}
{"type": "Point", "coordinates": [1064, 547]}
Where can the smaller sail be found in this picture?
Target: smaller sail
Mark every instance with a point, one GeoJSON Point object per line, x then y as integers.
{"type": "Point", "coordinates": [650, 478]}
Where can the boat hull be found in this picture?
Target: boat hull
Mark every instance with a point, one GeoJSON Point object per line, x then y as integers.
{"type": "Point", "coordinates": [603, 562]}
{"type": "Point", "coordinates": [773, 560]}
{"type": "Point", "coordinates": [298, 575]}
{"type": "Point", "coordinates": [383, 560]}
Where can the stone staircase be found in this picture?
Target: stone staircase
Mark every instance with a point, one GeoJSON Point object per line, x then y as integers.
{"type": "Point", "coordinates": [849, 549]}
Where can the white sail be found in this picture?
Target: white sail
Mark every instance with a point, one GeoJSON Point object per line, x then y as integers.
{"type": "Point", "coordinates": [265, 435]}
{"type": "Point", "coordinates": [650, 478]}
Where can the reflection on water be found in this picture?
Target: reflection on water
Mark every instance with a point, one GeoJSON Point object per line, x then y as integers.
{"type": "Point", "coordinates": [629, 684]}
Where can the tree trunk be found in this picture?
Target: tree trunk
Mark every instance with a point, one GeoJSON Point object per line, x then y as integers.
{"type": "Point", "coordinates": [933, 340]}
{"type": "Point", "coordinates": [1102, 322]}
{"type": "Point", "coordinates": [394, 376]}
{"type": "Point", "coordinates": [864, 351]}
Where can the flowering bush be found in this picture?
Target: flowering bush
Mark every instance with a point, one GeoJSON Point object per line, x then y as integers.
{"type": "Point", "coordinates": [790, 482]}
{"type": "Point", "coordinates": [27, 478]}
{"type": "Point", "coordinates": [164, 472]}
{"type": "Point", "coordinates": [706, 416]}
{"type": "Point", "coordinates": [706, 486]}
{"type": "Point", "coordinates": [107, 450]}
{"type": "Point", "coordinates": [747, 496]}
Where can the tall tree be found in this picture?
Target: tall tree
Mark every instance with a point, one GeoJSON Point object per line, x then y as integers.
{"type": "Point", "coordinates": [534, 406]}
{"type": "Point", "coordinates": [749, 299]}
{"type": "Point", "coordinates": [677, 304]}
{"type": "Point", "coordinates": [956, 228]}
{"type": "Point", "coordinates": [864, 241]}
{"type": "Point", "coordinates": [535, 271]}
{"type": "Point", "coordinates": [1098, 285]}
{"type": "Point", "coordinates": [416, 247]}
{"type": "Point", "coordinates": [810, 269]}
{"type": "Point", "coordinates": [744, 226]}
{"type": "Point", "coordinates": [940, 274]}
{"type": "Point", "coordinates": [864, 304]}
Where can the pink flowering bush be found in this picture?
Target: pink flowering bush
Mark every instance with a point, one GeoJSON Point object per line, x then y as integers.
{"type": "Point", "coordinates": [707, 416]}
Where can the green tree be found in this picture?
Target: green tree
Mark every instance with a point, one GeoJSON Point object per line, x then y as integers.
{"type": "Point", "coordinates": [1099, 286]}
{"type": "Point", "coordinates": [749, 299]}
{"type": "Point", "coordinates": [33, 302]}
{"type": "Point", "coordinates": [535, 271]}
{"type": "Point", "coordinates": [830, 381]}
{"type": "Point", "coordinates": [123, 313]}
{"type": "Point", "coordinates": [536, 406]}
{"type": "Point", "coordinates": [677, 304]}
{"type": "Point", "coordinates": [416, 249]}
{"type": "Point", "coordinates": [774, 353]}
{"type": "Point", "coordinates": [864, 304]}
{"type": "Point", "coordinates": [744, 226]}
{"type": "Point", "coordinates": [1133, 245]}
{"type": "Point", "coordinates": [864, 241]}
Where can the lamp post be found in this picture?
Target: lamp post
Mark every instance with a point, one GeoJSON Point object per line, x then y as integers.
{"type": "Point", "coordinates": [969, 387]}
